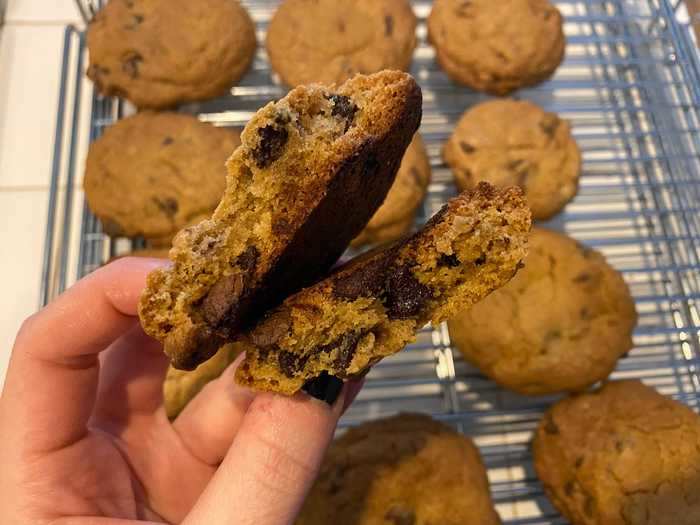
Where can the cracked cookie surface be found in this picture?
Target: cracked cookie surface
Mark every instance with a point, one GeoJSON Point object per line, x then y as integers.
{"type": "Point", "coordinates": [150, 174]}
{"type": "Point", "coordinates": [497, 46]}
{"type": "Point", "coordinates": [158, 53]}
{"type": "Point", "coordinates": [372, 307]}
{"type": "Point", "coordinates": [396, 215]}
{"type": "Point", "coordinates": [621, 455]}
{"type": "Point", "coordinates": [329, 41]}
{"type": "Point", "coordinates": [302, 159]}
{"type": "Point", "coordinates": [403, 470]}
{"type": "Point", "coordinates": [560, 325]}
{"type": "Point", "coordinates": [516, 143]}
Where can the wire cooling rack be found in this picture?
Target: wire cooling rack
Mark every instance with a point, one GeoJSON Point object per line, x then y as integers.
{"type": "Point", "coordinates": [630, 85]}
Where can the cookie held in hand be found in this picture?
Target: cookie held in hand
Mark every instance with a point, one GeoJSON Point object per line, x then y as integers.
{"type": "Point", "coordinates": [373, 306]}
{"type": "Point", "coordinates": [311, 171]}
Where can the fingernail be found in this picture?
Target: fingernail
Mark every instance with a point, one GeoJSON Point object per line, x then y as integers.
{"type": "Point", "coordinates": [324, 387]}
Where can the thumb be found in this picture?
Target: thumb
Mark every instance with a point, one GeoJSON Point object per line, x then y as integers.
{"type": "Point", "coordinates": [274, 458]}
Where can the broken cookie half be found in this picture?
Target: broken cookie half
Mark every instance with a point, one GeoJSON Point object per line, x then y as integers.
{"type": "Point", "coordinates": [312, 169]}
{"type": "Point", "coordinates": [373, 306]}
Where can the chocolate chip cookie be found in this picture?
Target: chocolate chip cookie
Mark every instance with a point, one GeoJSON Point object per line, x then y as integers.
{"type": "Point", "coordinates": [329, 41]}
{"type": "Point", "coordinates": [181, 386]}
{"type": "Point", "coordinates": [622, 455]}
{"type": "Point", "coordinates": [560, 325]}
{"type": "Point", "coordinates": [149, 175]}
{"type": "Point", "coordinates": [497, 46]}
{"type": "Point", "coordinates": [396, 215]}
{"type": "Point", "coordinates": [158, 53]}
{"type": "Point", "coordinates": [373, 306]}
{"type": "Point", "coordinates": [316, 151]}
{"type": "Point", "coordinates": [404, 470]}
{"type": "Point", "coordinates": [509, 142]}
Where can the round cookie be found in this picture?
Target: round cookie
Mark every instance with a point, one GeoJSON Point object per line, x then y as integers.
{"type": "Point", "coordinates": [149, 175]}
{"type": "Point", "coordinates": [181, 386]}
{"type": "Point", "coordinates": [516, 143]}
{"type": "Point", "coordinates": [396, 215]}
{"type": "Point", "coordinates": [497, 46]}
{"type": "Point", "coordinates": [407, 469]}
{"type": "Point", "coordinates": [559, 325]}
{"type": "Point", "coordinates": [622, 455]}
{"type": "Point", "coordinates": [329, 41]}
{"type": "Point", "coordinates": [158, 53]}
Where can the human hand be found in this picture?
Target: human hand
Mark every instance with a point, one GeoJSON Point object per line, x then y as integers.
{"type": "Point", "coordinates": [84, 439]}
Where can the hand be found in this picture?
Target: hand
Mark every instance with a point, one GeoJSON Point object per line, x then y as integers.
{"type": "Point", "coordinates": [84, 439]}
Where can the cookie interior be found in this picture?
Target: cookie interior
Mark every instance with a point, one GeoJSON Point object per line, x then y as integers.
{"type": "Point", "coordinates": [277, 228]}
{"type": "Point", "coordinates": [373, 307]}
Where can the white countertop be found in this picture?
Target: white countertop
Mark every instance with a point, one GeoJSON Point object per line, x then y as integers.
{"type": "Point", "coordinates": [31, 42]}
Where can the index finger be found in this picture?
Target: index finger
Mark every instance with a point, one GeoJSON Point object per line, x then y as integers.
{"type": "Point", "coordinates": [53, 373]}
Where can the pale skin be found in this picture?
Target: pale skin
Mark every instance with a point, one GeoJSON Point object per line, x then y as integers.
{"type": "Point", "coordinates": [84, 439]}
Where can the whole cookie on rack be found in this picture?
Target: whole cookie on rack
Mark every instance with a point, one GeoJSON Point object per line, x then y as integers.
{"type": "Point", "coordinates": [373, 306]}
{"type": "Point", "coordinates": [396, 215]}
{"type": "Point", "coordinates": [158, 53]}
{"type": "Point", "coordinates": [150, 174]}
{"type": "Point", "coordinates": [560, 325]}
{"type": "Point", "coordinates": [331, 40]}
{"type": "Point", "coordinates": [621, 455]}
{"type": "Point", "coordinates": [497, 46]}
{"type": "Point", "coordinates": [510, 142]}
{"type": "Point", "coordinates": [403, 470]}
{"type": "Point", "coordinates": [317, 151]}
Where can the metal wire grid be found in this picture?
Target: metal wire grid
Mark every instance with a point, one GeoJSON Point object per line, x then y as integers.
{"type": "Point", "coordinates": [631, 87]}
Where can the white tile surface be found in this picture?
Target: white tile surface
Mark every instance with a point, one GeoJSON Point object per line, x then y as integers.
{"type": "Point", "coordinates": [21, 244]}
{"type": "Point", "coordinates": [42, 11]}
{"type": "Point", "coordinates": [29, 80]}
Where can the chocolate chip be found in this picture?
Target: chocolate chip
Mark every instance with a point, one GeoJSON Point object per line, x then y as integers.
{"type": "Point", "coordinates": [136, 21]}
{"type": "Point", "coordinates": [169, 206]}
{"type": "Point", "coordinates": [346, 345]}
{"type": "Point", "coordinates": [549, 124]}
{"type": "Point", "coordinates": [451, 261]}
{"type": "Point", "coordinates": [131, 64]}
{"type": "Point", "coordinates": [466, 148]}
{"type": "Point", "coordinates": [273, 139]}
{"type": "Point", "coordinates": [247, 260]}
{"type": "Point", "coordinates": [463, 11]}
{"type": "Point", "coordinates": [406, 295]}
{"type": "Point", "coordinates": [363, 282]}
{"type": "Point", "coordinates": [388, 25]}
{"type": "Point", "coordinates": [167, 141]}
{"type": "Point", "coordinates": [583, 277]}
{"type": "Point", "coordinates": [480, 260]}
{"type": "Point", "coordinates": [578, 462]}
{"type": "Point", "coordinates": [217, 302]}
{"type": "Point", "coordinates": [569, 488]}
{"type": "Point", "coordinates": [400, 515]}
{"type": "Point", "coordinates": [273, 329]}
{"type": "Point", "coordinates": [290, 363]}
{"type": "Point", "coordinates": [550, 427]}
{"type": "Point", "coordinates": [589, 506]}
{"type": "Point", "coordinates": [343, 107]}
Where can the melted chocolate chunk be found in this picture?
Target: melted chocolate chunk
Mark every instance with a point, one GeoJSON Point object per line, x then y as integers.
{"type": "Point", "coordinates": [343, 107]}
{"type": "Point", "coordinates": [388, 25]}
{"type": "Point", "coordinates": [401, 515]}
{"type": "Point", "coordinates": [131, 64]}
{"type": "Point", "coordinates": [406, 295]}
{"type": "Point", "coordinates": [480, 260]}
{"type": "Point", "coordinates": [346, 345]}
{"type": "Point", "coordinates": [291, 363]}
{"type": "Point", "coordinates": [451, 261]}
{"type": "Point", "coordinates": [364, 282]}
{"type": "Point", "coordinates": [273, 139]}
{"type": "Point", "coordinates": [466, 148]}
{"type": "Point", "coordinates": [550, 427]}
{"type": "Point", "coordinates": [583, 277]}
{"type": "Point", "coordinates": [247, 260]}
{"type": "Point", "coordinates": [169, 206]}
{"type": "Point", "coordinates": [217, 302]}
{"type": "Point", "coordinates": [167, 141]}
